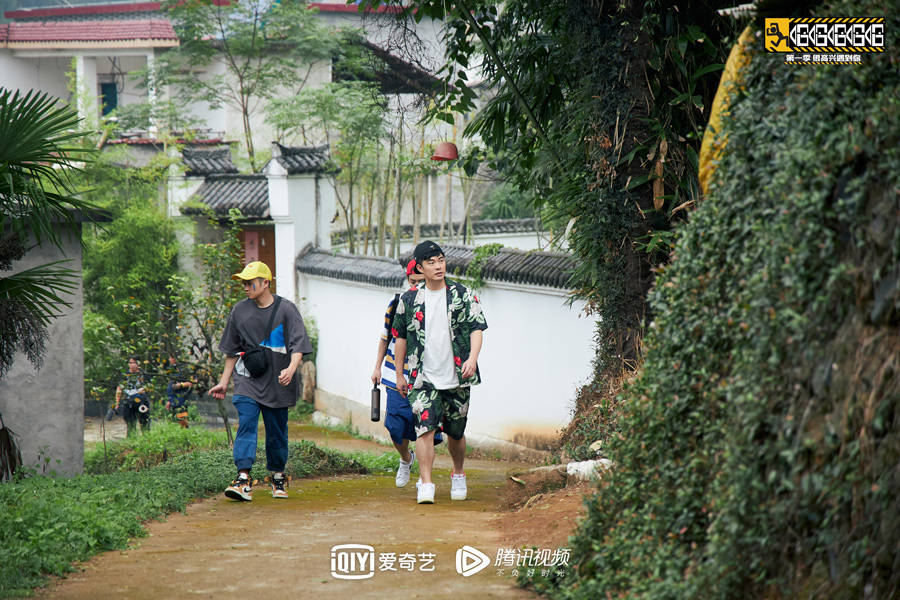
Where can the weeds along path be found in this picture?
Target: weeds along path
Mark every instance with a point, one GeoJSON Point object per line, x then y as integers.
{"type": "Point", "coordinates": [225, 549]}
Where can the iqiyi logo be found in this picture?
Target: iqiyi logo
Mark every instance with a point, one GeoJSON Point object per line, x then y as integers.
{"type": "Point", "coordinates": [470, 560]}
{"type": "Point", "coordinates": [352, 561]}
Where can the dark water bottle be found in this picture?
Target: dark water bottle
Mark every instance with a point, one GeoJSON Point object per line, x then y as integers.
{"type": "Point", "coordinates": [376, 403]}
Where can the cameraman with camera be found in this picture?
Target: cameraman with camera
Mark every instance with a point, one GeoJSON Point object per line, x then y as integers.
{"type": "Point", "coordinates": [137, 405]}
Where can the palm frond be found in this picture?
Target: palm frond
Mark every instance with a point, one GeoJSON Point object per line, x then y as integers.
{"type": "Point", "coordinates": [41, 289]}
{"type": "Point", "coordinates": [36, 157]}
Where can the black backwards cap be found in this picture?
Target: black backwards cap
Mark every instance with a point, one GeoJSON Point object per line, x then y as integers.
{"type": "Point", "coordinates": [426, 250]}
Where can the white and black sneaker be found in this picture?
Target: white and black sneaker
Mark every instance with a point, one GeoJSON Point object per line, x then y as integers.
{"type": "Point", "coordinates": [278, 483]}
{"type": "Point", "coordinates": [240, 489]}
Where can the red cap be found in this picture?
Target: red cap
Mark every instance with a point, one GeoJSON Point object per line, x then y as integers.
{"type": "Point", "coordinates": [410, 267]}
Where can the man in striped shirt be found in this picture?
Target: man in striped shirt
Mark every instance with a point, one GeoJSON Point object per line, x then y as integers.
{"type": "Point", "coordinates": [398, 418]}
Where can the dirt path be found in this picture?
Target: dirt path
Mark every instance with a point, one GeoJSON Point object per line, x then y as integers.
{"type": "Point", "coordinates": [224, 549]}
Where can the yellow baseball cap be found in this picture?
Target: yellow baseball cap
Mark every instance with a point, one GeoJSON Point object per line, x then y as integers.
{"type": "Point", "coordinates": [254, 270]}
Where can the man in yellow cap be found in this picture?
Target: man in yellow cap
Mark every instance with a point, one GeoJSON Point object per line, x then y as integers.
{"type": "Point", "coordinates": [263, 342]}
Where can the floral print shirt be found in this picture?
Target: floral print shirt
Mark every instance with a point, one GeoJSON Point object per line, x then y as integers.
{"type": "Point", "coordinates": [465, 316]}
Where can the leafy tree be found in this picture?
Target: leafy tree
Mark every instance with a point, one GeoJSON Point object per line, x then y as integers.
{"type": "Point", "coordinates": [350, 118]}
{"type": "Point", "coordinates": [37, 206]}
{"type": "Point", "coordinates": [168, 116]}
{"type": "Point", "coordinates": [204, 303]}
{"type": "Point", "coordinates": [127, 266]}
{"type": "Point", "coordinates": [131, 258]}
{"type": "Point", "coordinates": [253, 49]}
{"type": "Point", "coordinates": [597, 111]}
{"type": "Point", "coordinates": [505, 201]}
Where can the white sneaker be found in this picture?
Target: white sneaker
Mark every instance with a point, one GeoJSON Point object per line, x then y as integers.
{"type": "Point", "coordinates": [403, 470]}
{"type": "Point", "coordinates": [458, 486]}
{"type": "Point", "coordinates": [425, 495]}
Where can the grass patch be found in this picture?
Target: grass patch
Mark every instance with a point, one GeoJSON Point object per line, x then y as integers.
{"type": "Point", "coordinates": [163, 440]}
{"type": "Point", "coordinates": [302, 412]}
{"type": "Point", "coordinates": [46, 524]}
{"type": "Point", "coordinates": [376, 463]}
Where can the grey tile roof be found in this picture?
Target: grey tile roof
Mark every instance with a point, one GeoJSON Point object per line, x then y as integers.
{"type": "Point", "coordinates": [373, 270]}
{"type": "Point", "coordinates": [308, 159]}
{"type": "Point", "coordinates": [206, 161]}
{"type": "Point", "coordinates": [535, 267]}
{"type": "Point", "coordinates": [550, 269]}
{"type": "Point", "coordinates": [249, 193]}
{"type": "Point", "coordinates": [432, 230]}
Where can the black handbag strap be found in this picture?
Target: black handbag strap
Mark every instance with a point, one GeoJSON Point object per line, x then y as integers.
{"type": "Point", "coordinates": [272, 316]}
{"type": "Point", "coordinates": [271, 320]}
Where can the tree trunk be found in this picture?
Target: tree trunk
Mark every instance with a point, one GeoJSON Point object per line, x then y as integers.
{"type": "Point", "coordinates": [383, 202]}
{"type": "Point", "coordinates": [416, 208]}
{"type": "Point", "coordinates": [224, 414]}
{"type": "Point", "coordinates": [446, 213]}
{"type": "Point", "coordinates": [248, 134]}
{"type": "Point", "coordinates": [395, 241]}
{"type": "Point", "coordinates": [370, 202]}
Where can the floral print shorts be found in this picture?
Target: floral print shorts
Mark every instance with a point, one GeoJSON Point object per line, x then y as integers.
{"type": "Point", "coordinates": [431, 407]}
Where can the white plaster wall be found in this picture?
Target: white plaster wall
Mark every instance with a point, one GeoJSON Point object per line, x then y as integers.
{"type": "Point", "coordinates": [348, 317]}
{"type": "Point", "coordinates": [45, 74]}
{"type": "Point", "coordinates": [327, 204]}
{"type": "Point", "coordinates": [214, 119]}
{"type": "Point", "coordinates": [536, 353]}
{"type": "Point", "coordinates": [45, 407]}
{"type": "Point", "coordinates": [292, 207]}
{"type": "Point", "coordinates": [302, 193]}
{"type": "Point", "coordinates": [180, 189]}
{"type": "Point", "coordinates": [263, 133]}
{"type": "Point", "coordinates": [285, 279]}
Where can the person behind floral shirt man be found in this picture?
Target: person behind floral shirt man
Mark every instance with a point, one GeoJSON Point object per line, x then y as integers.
{"type": "Point", "coordinates": [398, 418]}
{"type": "Point", "coordinates": [438, 330]}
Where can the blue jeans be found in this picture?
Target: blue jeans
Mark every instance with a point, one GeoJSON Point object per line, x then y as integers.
{"type": "Point", "coordinates": [275, 421]}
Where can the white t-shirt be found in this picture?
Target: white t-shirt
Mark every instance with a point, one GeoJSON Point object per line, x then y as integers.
{"type": "Point", "coordinates": [437, 357]}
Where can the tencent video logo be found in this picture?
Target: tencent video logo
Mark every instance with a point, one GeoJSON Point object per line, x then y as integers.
{"type": "Point", "coordinates": [469, 561]}
{"type": "Point", "coordinates": [352, 561]}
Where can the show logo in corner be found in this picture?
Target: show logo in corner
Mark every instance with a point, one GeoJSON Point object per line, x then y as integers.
{"type": "Point", "coordinates": [824, 41]}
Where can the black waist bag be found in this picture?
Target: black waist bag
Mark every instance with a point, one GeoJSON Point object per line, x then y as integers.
{"type": "Point", "coordinates": [255, 360]}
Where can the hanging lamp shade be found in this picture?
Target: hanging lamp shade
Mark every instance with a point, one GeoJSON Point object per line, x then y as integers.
{"type": "Point", "coordinates": [445, 151]}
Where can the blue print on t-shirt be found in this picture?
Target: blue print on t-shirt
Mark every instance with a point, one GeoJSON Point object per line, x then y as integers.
{"type": "Point", "coordinates": [275, 341]}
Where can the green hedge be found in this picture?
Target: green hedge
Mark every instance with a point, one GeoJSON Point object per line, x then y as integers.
{"type": "Point", "coordinates": [46, 524]}
{"type": "Point", "coordinates": [758, 453]}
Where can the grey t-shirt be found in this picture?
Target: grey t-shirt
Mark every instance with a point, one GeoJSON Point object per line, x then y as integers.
{"type": "Point", "coordinates": [245, 328]}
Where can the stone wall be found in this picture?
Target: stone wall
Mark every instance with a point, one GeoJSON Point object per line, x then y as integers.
{"type": "Point", "coordinates": [45, 407]}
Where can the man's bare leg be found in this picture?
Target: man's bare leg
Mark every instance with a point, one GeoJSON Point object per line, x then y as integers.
{"type": "Point", "coordinates": [425, 454]}
{"type": "Point", "coordinates": [457, 452]}
{"type": "Point", "coordinates": [403, 449]}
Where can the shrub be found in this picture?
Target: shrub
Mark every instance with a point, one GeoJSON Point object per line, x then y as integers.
{"type": "Point", "coordinates": [140, 451]}
{"type": "Point", "coordinates": [757, 453]}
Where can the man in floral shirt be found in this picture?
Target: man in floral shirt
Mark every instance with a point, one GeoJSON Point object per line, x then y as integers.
{"type": "Point", "coordinates": [438, 330]}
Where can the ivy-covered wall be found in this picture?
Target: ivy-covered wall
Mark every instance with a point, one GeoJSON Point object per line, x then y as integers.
{"type": "Point", "coordinates": [758, 452]}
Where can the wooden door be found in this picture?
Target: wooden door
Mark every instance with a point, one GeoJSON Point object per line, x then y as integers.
{"type": "Point", "coordinates": [258, 242]}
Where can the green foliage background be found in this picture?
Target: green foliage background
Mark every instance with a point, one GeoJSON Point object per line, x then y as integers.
{"type": "Point", "coordinates": [758, 452]}
{"type": "Point", "coordinates": [127, 265]}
